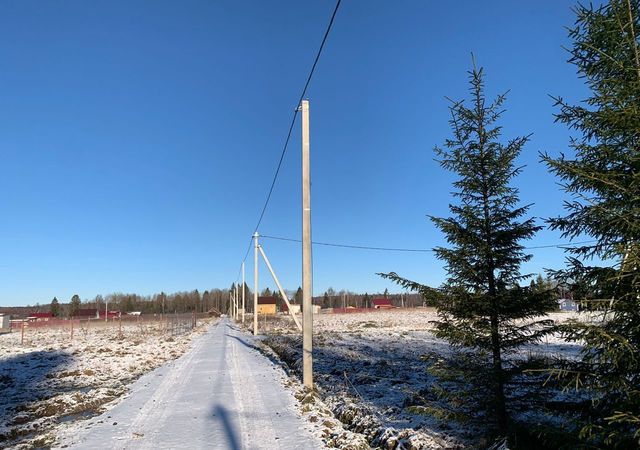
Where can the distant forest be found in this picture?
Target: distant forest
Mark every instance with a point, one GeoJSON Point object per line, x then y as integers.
{"type": "Point", "coordinates": [214, 299]}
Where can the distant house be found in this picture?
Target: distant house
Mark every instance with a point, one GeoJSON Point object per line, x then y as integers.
{"type": "Point", "coordinates": [382, 303]}
{"type": "Point", "coordinates": [5, 322]}
{"type": "Point", "coordinates": [39, 316]}
{"type": "Point", "coordinates": [566, 304]}
{"type": "Point", "coordinates": [294, 308]}
{"type": "Point", "coordinates": [86, 313]}
{"type": "Point", "coordinates": [266, 305]}
{"type": "Point", "coordinates": [110, 314]}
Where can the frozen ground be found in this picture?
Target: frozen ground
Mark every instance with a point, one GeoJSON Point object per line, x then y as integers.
{"type": "Point", "coordinates": [222, 394]}
{"type": "Point", "coordinates": [371, 372]}
{"type": "Point", "coordinates": [52, 381]}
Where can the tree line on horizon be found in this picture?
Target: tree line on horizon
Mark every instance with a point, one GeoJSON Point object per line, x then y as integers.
{"type": "Point", "coordinates": [216, 299]}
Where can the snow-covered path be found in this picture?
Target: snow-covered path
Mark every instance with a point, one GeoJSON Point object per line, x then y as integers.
{"type": "Point", "coordinates": [222, 394]}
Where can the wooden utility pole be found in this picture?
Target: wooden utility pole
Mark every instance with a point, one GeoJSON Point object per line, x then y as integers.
{"type": "Point", "coordinates": [255, 283]}
{"type": "Point", "coordinates": [307, 276]}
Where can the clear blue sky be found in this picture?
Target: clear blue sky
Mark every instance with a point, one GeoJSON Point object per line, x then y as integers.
{"type": "Point", "coordinates": [139, 138]}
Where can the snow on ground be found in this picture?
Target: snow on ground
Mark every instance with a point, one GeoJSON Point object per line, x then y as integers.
{"type": "Point", "coordinates": [371, 372]}
{"type": "Point", "coordinates": [52, 380]}
{"type": "Point", "coordinates": [222, 393]}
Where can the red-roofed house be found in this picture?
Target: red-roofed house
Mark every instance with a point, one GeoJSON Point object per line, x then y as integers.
{"type": "Point", "coordinates": [382, 303]}
{"type": "Point", "coordinates": [110, 314]}
{"type": "Point", "coordinates": [266, 305]}
{"type": "Point", "coordinates": [86, 313]}
{"type": "Point", "coordinates": [39, 316]}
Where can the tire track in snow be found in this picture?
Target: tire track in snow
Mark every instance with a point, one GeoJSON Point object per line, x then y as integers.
{"type": "Point", "coordinates": [252, 405]}
{"type": "Point", "coordinates": [158, 408]}
{"type": "Point", "coordinates": [223, 393]}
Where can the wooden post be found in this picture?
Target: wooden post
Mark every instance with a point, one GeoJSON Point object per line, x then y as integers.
{"type": "Point", "coordinates": [72, 329]}
{"type": "Point", "coordinates": [22, 334]}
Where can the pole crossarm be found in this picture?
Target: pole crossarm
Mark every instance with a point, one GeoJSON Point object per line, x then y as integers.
{"type": "Point", "coordinates": [282, 292]}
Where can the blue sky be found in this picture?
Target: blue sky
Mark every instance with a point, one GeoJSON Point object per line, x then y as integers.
{"type": "Point", "coordinates": [139, 138]}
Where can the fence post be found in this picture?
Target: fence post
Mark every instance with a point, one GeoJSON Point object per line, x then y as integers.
{"type": "Point", "coordinates": [22, 334]}
{"type": "Point", "coordinates": [72, 330]}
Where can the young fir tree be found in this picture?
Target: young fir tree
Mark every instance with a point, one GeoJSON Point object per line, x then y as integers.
{"type": "Point", "coordinates": [75, 305]}
{"type": "Point", "coordinates": [603, 178]}
{"type": "Point", "coordinates": [297, 298]}
{"type": "Point", "coordinates": [481, 305]}
{"type": "Point", "coordinates": [55, 307]}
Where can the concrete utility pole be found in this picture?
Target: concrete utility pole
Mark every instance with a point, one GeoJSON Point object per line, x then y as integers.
{"type": "Point", "coordinates": [255, 283]}
{"type": "Point", "coordinates": [282, 292]}
{"type": "Point", "coordinates": [307, 276]}
{"type": "Point", "coordinates": [237, 297]}
{"type": "Point", "coordinates": [243, 289]}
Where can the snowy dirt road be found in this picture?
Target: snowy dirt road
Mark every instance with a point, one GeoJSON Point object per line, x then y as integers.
{"type": "Point", "coordinates": [223, 393]}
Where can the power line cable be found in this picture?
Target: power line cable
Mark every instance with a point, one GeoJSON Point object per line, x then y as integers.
{"type": "Point", "coordinates": [417, 250]}
{"type": "Point", "coordinates": [295, 115]}
{"type": "Point", "coordinates": [293, 121]}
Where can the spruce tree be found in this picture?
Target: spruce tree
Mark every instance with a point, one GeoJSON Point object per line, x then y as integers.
{"type": "Point", "coordinates": [55, 307]}
{"type": "Point", "coordinates": [297, 298]}
{"type": "Point", "coordinates": [74, 306]}
{"type": "Point", "coordinates": [481, 305]}
{"type": "Point", "coordinates": [602, 175]}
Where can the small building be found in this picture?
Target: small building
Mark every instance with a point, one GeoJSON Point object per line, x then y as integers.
{"type": "Point", "coordinates": [566, 304]}
{"type": "Point", "coordinates": [86, 313]}
{"type": "Point", "coordinates": [266, 305]}
{"type": "Point", "coordinates": [5, 322]}
{"type": "Point", "coordinates": [110, 314]}
{"type": "Point", "coordinates": [295, 309]}
{"type": "Point", "coordinates": [40, 316]}
{"type": "Point", "coordinates": [382, 303]}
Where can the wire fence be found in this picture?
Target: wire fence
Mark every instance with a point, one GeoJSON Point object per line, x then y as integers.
{"type": "Point", "coordinates": [119, 327]}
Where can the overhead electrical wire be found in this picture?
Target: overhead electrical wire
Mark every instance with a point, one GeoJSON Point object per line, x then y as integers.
{"type": "Point", "coordinates": [417, 250]}
{"type": "Point", "coordinates": [293, 121]}
{"type": "Point", "coordinates": [281, 159]}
